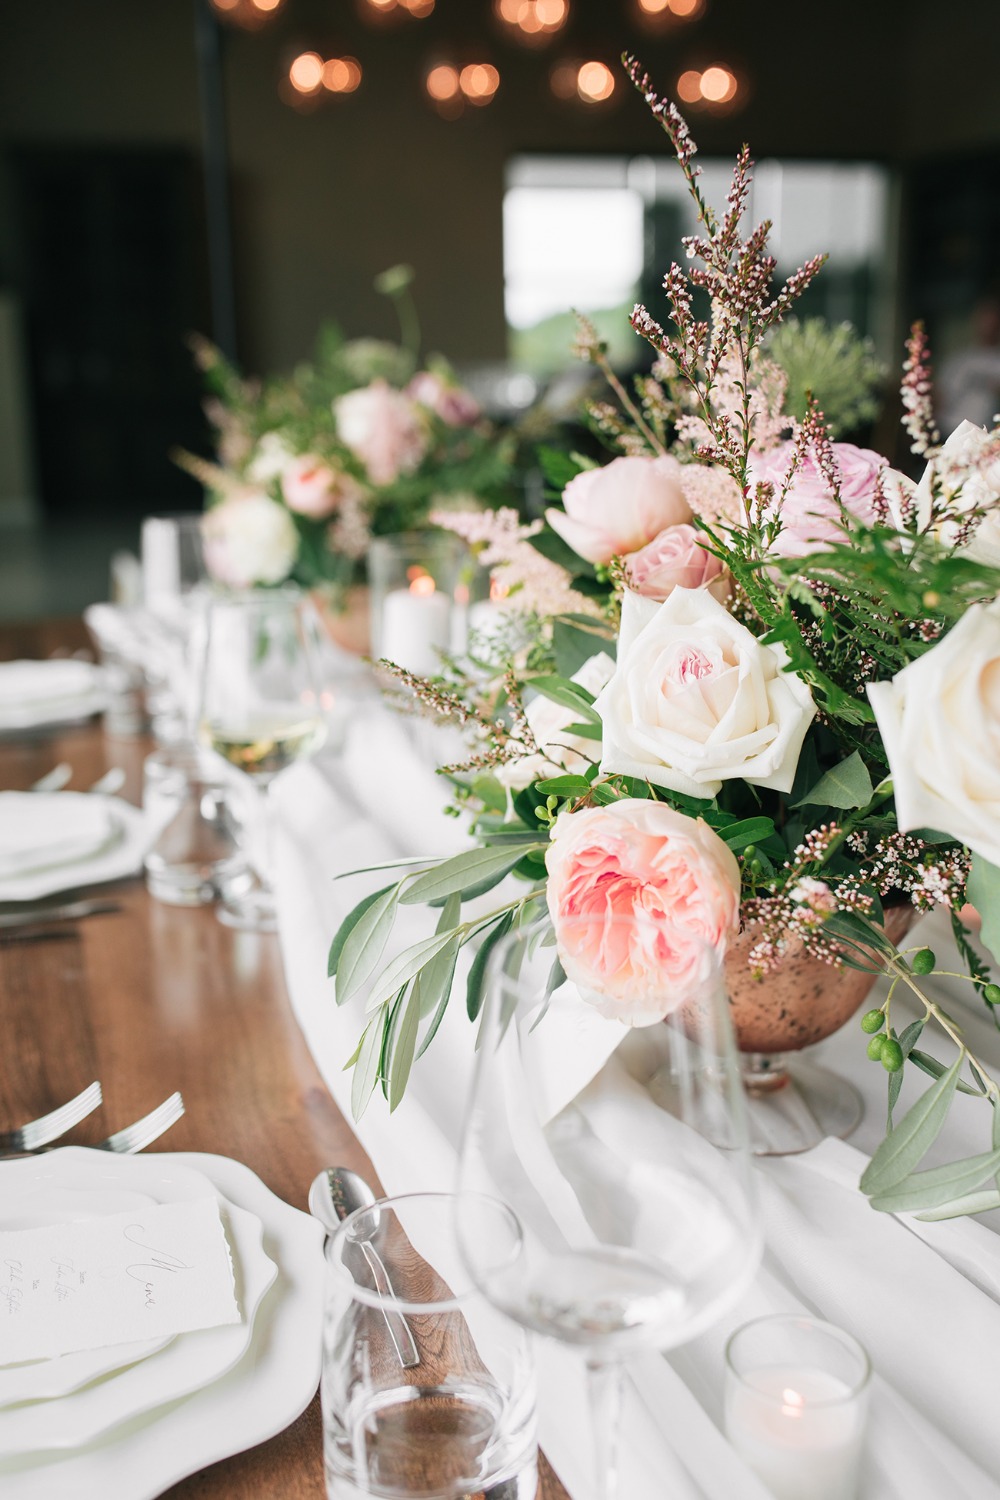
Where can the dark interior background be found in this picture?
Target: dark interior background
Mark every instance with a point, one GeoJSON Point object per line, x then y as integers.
{"type": "Point", "coordinates": [103, 260]}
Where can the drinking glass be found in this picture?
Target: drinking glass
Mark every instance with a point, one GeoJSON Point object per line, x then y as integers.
{"type": "Point", "coordinates": [623, 1154]}
{"type": "Point", "coordinates": [426, 1389]}
{"type": "Point", "coordinates": [263, 706]}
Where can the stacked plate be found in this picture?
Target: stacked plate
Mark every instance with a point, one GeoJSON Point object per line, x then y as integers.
{"type": "Point", "coordinates": [35, 693]}
{"type": "Point", "coordinates": [55, 841]}
{"type": "Point", "coordinates": [129, 1420]}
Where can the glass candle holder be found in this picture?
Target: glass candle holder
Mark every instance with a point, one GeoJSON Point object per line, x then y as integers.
{"type": "Point", "coordinates": [418, 595]}
{"type": "Point", "coordinates": [796, 1405]}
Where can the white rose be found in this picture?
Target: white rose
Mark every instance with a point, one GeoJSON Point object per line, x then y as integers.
{"type": "Point", "coordinates": [249, 539]}
{"type": "Point", "coordinates": [940, 723]}
{"type": "Point", "coordinates": [270, 459]}
{"type": "Point", "coordinates": [383, 428]}
{"type": "Point", "coordinates": [697, 700]}
{"type": "Point", "coordinates": [969, 480]}
{"type": "Point", "coordinates": [559, 753]}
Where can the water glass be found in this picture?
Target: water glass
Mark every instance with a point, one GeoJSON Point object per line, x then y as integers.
{"type": "Point", "coordinates": [427, 1391]}
{"type": "Point", "coordinates": [190, 800]}
{"type": "Point", "coordinates": [796, 1405]}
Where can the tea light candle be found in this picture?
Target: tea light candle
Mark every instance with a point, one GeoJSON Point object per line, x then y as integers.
{"type": "Point", "coordinates": [796, 1398]}
{"type": "Point", "coordinates": [416, 625]}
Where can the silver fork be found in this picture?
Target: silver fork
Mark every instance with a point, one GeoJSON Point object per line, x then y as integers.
{"type": "Point", "coordinates": [51, 1126]}
{"type": "Point", "coordinates": [141, 1132]}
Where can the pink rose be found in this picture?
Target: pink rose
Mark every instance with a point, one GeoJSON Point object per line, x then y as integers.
{"type": "Point", "coordinates": [455, 406]}
{"type": "Point", "coordinates": [638, 894]}
{"type": "Point", "coordinates": [676, 559]}
{"type": "Point", "coordinates": [810, 516]}
{"type": "Point", "coordinates": [621, 507]}
{"type": "Point", "coordinates": [383, 428]}
{"type": "Point", "coordinates": [310, 487]}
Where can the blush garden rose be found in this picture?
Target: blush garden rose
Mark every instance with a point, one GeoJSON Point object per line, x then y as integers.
{"type": "Point", "coordinates": [641, 899]}
{"type": "Point", "coordinates": [621, 507]}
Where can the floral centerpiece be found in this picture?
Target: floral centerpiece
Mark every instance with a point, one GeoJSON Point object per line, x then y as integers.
{"type": "Point", "coordinates": [749, 692]}
{"type": "Point", "coordinates": [358, 443]}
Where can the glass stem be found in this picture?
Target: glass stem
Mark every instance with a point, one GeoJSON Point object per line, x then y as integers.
{"type": "Point", "coordinates": [264, 833]}
{"type": "Point", "coordinates": [604, 1386]}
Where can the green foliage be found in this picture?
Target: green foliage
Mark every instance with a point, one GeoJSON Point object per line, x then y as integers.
{"type": "Point", "coordinates": [835, 365]}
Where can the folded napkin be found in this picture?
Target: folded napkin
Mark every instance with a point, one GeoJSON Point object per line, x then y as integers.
{"type": "Point", "coordinates": [27, 683]}
{"type": "Point", "coordinates": [922, 1298]}
{"type": "Point", "coordinates": [39, 830]}
{"type": "Point", "coordinates": [57, 841]}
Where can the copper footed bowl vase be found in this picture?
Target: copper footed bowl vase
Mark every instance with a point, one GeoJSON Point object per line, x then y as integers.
{"type": "Point", "coordinates": [794, 1103]}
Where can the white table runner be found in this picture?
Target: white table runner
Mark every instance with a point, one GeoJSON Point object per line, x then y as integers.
{"type": "Point", "coordinates": [924, 1299]}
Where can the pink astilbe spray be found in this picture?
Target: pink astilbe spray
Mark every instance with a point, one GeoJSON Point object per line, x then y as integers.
{"type": "Point", "coordinates": [916, 390]}
{"type": "Point", "coordinates": [532, 583]}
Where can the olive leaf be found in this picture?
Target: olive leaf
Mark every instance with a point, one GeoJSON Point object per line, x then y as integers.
{"type": "Point", "coordinates": [464, 872]}
{"type": "Point", "coordinates": [403, 1046]}
{"type": "Point", "coordinates": [939, 1186]}
{"type": "Point", "coordinates": [405, 965]}
{"type": "Point", "coordinates": [365, 944]}
{"type": "Point", "coordinates": [908, 1141]}
{"type": "Point", "coordinates": [366, 1068]}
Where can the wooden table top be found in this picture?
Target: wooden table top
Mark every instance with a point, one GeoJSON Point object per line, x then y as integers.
{"type": "Point", "coordinates": [154, 998]}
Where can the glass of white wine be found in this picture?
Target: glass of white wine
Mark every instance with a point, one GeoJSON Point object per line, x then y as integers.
{"type": "Point", "coordinates": [263, 707]}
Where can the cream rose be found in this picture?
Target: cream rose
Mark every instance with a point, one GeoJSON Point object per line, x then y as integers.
{"type": "Point", "coordinates": [697, 700]}
{"type": "Point", "coordinates": [559, 752]}
{"type": "Point", "coordinates": [621, 507]}
{"type": "Point", "coordinates": [249, 539]}
{"type": "Point", "coordinates": [939, 719]}
{"type": "Point", "coordinates": [640, 897]}
{"type": "Point", "coordinates": [383, 428]}
{"type": "Point", "coordinates": [269, 460]}
{"type": "Point", "coordinates": [969, 479]}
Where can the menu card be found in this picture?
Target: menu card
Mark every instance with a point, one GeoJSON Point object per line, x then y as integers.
{"type": "Point", "coordinates": [148, 1273]}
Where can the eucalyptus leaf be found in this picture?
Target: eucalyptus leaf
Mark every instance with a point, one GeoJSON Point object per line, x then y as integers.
{"type": "Point", "coordinates": [907, 1142]}
{"type": "Point", "coordinates": [346, 927]}
{"type": "Point", "coordinates": [366, 1068]}
{"type": "Point", "coordinates": [463, 872]}
{"type": "Point", "coordinates": [983, 890]}
{"type": "Point", "coordinates": [405, 965]}
{"type": "Point", "coordinates": [938, 1186]}
{"type": "Point", "coordinates": [844, 786]}
{"type": "Point", "coordinates": [404, 1043]}
{"type": "Point", "coordinates": [477, 974]}
{"type": "Point", "coordinates": [365, 945]}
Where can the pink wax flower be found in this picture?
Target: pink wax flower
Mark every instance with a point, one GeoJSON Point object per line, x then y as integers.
{"type": "Point", "coordinates": [383, 428]}
{"type": "Point", "coordinates": [621, 507]}
{"type": "Point", "coordinates": [640, 897]}
{"type": "Point", "coordinates": [455, 406]}
{"type": "Point", "coordinates": [676, 559]}
{"type": "Point", "coordinates": [810, 516]}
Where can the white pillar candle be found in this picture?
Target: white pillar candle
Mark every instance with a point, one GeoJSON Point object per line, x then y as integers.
{"type": "Point", "coordinates": [800, 1429]}
{"type": "Point", "coordinates": [416, 625]}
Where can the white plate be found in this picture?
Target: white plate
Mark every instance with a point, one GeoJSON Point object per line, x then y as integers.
{"type": "Point", "coordinates": [42, 831]}
{"type": "Point", "coordinates": [267, 1390]}
{"type": "Point", "coordinates": [123, 857]}
{"type": "Point", "coordinates": [184, 1364]}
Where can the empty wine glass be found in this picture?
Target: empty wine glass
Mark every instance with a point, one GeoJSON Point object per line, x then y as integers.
{"type": "Point", "coordinates": [639, 1232]}
{"type": "Point", "coordinates": [263, 706]}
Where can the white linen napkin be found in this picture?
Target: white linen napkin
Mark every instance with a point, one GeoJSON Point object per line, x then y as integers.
{"type": "Point", "coordinates": [39, 830]}
{"type": "Point", "coordinates": [907, 1295]}
{"type": "Point", "coordinates": [27, 683]}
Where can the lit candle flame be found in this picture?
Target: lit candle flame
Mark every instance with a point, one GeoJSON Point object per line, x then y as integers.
{"type": "Point", "coordinates": [792, 1403]}
{"type": "Point", "coordinates": [423, 584]}
{"type": "Point", "coordinates": [498, 591]}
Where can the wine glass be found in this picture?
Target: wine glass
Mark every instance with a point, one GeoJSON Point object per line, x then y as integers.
{"type": "Point", "coordinates": [263, 706]}
{"type": "Point", "coordinates": [639, 1231]}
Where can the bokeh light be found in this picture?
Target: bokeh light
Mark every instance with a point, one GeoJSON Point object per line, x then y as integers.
{"type": "Point", "coordinates": [689, 86]}
{"type": "Point", "coordinates": [306, 73]}
{"type": "Point", "coordinates": [709, 88]}
{"type": "Point", "coordinates": [479, 82]}
{"type": "Point", "coordinates": [442, 83]}
{"type": "Point", "coordinates": [595, 82]}
{"type": "Point", "coordinates": [532, 21]}
{"type": "Point", "coordinates": [341, 75]}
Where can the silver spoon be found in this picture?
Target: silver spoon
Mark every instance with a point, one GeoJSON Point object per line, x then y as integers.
{"type": "Point", "coordinates": [335, 1193]}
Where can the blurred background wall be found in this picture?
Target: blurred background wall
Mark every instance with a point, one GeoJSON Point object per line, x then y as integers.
{"type": "Point", "coordinates": [103, 244]}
